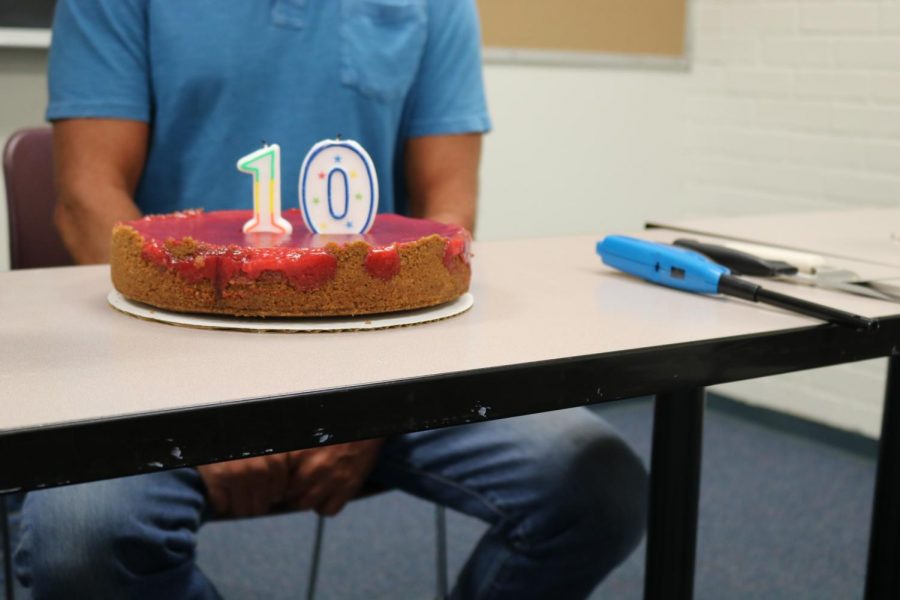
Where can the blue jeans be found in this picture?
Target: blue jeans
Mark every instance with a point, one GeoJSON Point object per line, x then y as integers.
{"type": "Point", "coordinates": [564, 497]}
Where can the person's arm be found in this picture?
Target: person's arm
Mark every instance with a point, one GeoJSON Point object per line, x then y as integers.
{"type": "Point", "coordinates": [445, 117]}
{"type": "Point", "coordinates": [98, 165]}
{"type": "Point", "coordinates": [442, 177]}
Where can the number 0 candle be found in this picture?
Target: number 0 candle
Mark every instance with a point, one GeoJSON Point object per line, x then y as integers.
{"type": "Point", "coordinates": [265, 166]}
{"type": "Point", "coordinates": [338, 188]}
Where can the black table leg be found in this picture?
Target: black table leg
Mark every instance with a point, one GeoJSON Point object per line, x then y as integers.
{"type": "Point", "coordinates": [674, 495]}
{"type": "Point", "coordinates": [883, 575]}
{"type": "Point", "coordinates": [7, 550]}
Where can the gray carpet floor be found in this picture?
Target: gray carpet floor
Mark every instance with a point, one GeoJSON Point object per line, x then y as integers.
{"type": "Point", "coordinates": [781, 516]}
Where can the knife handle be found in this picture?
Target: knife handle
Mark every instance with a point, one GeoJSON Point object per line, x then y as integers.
{"type": "Point", "coordinates": [804, 261]}
{"type": "Point", "coordinates": [740, 263]}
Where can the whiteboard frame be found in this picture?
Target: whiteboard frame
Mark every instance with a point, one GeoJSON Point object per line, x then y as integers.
{"type": "Point", "coordinates": [524, 56]}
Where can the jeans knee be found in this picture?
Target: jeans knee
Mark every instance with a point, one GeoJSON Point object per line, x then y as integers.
{"type": "Point", "coordinates": [101, 536]}
{"type": "Point", "coordinates": [613, 499]}
{"type": "Point", "coordinates": [65, 538]}
{"type": "Point", "coordinates": [595, 491]}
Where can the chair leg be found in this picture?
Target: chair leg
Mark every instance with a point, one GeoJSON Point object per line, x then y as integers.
{"type": "Point", "coordinates": [316, 555]}
{"type": "Point", "coordinates": [440, 522]}
{"type": "Point", "coordinates": [440, 529]}
{"type": "Point", "coordinates": [7, 550]}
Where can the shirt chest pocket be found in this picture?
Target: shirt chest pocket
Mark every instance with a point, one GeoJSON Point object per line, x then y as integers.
{"type": "Point", "coordinates": [382, 42]}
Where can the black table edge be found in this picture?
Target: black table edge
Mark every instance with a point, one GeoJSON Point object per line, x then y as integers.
{"type": "Point", "coordinates": [92, 450]}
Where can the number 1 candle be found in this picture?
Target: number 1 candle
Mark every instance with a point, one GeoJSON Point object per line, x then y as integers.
{"type": "Point", "coordinates": [338, 188]}
{"type": "Point", "coordinates": [265, 166]}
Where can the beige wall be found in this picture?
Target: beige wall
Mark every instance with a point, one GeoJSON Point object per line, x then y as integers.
{"type": "Point", "coordinates": [581, 150]}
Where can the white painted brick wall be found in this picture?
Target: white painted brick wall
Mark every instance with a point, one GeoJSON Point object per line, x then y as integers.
{"type": "Point", "coordinates": [798, 100]}
{"type": "Point", "coordinates": [885, 87]}
{"type": "Point", "coordinates": [889, 17]}
{"type": "Point", "coordinates": [795, 105]}
{"type": "Point", "coordinates": [843, 17]}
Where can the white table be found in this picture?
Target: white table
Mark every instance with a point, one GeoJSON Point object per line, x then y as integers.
{"type": "Point", "coordinates": [89, 393]}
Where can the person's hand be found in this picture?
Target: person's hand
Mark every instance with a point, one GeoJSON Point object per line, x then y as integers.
{"type": "Point", "coordinates": [247, 487]}
{"type": "Point", "coordinates": [325, 479]}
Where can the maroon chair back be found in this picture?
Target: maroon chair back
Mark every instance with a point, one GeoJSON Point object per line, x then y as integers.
{"type": "Point", "coordinates": [30, 200]}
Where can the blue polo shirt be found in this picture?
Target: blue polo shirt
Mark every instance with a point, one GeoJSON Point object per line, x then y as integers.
{"type": "Point", "coordinates": [215, 78]}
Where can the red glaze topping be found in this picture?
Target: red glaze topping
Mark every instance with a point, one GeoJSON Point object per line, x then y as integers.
{"type": "Point", "coordinates": [383, 263]}
{"type": "Point", "coordinates": [200, 245]}
{"type": "Point", "coordinates": [456, 246]}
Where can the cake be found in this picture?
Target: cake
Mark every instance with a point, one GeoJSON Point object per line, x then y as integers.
{"type": "Point", "coordinates": [202, 262]}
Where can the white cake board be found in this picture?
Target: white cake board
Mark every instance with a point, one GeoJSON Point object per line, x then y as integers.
{"type": "Point", "coordinates": [293, 325]}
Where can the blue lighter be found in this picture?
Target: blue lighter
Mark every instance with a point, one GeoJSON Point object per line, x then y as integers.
{"type": "Point", "coordinates": [661, 263]}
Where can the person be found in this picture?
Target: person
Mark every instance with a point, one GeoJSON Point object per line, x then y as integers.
{"type": "Point", "coordinates": [152, 102]}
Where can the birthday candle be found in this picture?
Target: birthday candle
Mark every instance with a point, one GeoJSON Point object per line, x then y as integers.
{"type": "Point", "coordinates": [265, 166]}
{"type": "Point", "coordinates": [338, 188]}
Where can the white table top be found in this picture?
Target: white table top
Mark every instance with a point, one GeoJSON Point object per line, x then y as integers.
{"type": "Point", "coordinates": [66, 356]}
{"type": "Point", "coordinates": [871, 235]}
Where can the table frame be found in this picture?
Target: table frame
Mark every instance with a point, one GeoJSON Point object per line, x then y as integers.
{"type": "Point", "coordinates": [674, 494]}
{"type": "Point", "coordinates": [676, 374]}
{"type": "Point", "coordinates": [883, 567]}
{"type": "Point", "coordinates": [8, 585]}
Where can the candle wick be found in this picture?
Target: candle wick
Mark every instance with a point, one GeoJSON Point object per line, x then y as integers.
{"type": "Point", "coordinates": [265, 145]}
{"type": "Point", "coordinates": [338, 137]}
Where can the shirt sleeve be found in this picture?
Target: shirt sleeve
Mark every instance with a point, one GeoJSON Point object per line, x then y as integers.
{"type": "Point", "coordinates": [447, 96]}
{"type": "Point", "coordinates": [98, 65]}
